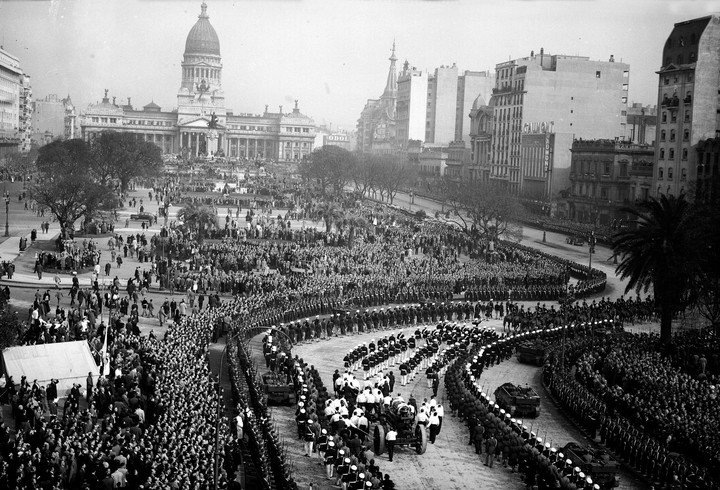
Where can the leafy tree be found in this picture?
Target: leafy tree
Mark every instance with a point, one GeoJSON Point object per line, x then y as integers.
{"type": "Point", "coordinates": [329, 166]}
{"type": "Point", "coordinates": [67, 185]}
{"type": "Point", "coordinates": [484, 209]}
{"type": "Point", "coordinates": [122, 157]}
{"type": "Point", "coordinates": [198, 218]}
{"type": "Point", "coordinates": [10, 328]}
{"type": "Point", "coordinates": [662, 251]}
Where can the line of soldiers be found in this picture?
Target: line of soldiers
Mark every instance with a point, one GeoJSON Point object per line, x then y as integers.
{"type": "Point", "coordinates": [639, 449]}
{"type": "Point", "coordinates": [500, 435]}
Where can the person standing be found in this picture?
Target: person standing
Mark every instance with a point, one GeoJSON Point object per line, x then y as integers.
{"type": "Point", "coordinates": [490, 446]}
{"type": "Point", "coordinates": [434, 426]}
{"type": "Point", "coordinates": [89, 387]}
{"type": "Point", "coordinates": [390, 439]}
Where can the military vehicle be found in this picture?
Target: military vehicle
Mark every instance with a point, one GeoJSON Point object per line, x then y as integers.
{"type": "Point", "coordinates": [400, 417]}
{"type": "Point", "coordinates": [277, 391]}
{"type": "Point", "coordinates": [532, 352]}
{"type": "Point", "coordinates": [518, 401]}
{"type": "Point", "coordinates": [596, 464]}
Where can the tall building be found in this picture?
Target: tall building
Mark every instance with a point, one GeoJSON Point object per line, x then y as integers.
{"type": "Point", "coordinates": [15, 105]}
{"type": "Point", "coordinates": [282, 135]}
{"type": "Point", "coordinates": [471, 85]}
{"type": "Point", "coordinates": [688, 106]}
{"type": "Point", "coordinates": [412, 87]}
{"type": "Point", "coordinates": [53, 118]}
{"type": "Point", "coordinates": [641, 124]}
{"type": "Point", "coordinates": [377, 126]}
{"type": "Point", "coordinates": [481, 126]}
{"type": "Point", "coordinates": [449, 99]}
{"type": "Point", "coordinates": [572, 94]}
{"type": "Point", "coordinates": [607, 175]}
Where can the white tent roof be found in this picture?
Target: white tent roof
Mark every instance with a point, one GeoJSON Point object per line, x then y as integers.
{"type": "Point", "coordinates": [68, 362]}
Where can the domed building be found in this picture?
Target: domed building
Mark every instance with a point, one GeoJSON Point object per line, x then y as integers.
{"type": "Point", "coordinates": [202, 125]}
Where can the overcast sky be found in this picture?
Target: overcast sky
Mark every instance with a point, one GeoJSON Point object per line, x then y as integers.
{"type": "Point", "coordinates": [331, 55]}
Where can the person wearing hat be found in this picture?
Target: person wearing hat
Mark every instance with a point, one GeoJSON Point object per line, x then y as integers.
{"type": "Point", "coordinates": [490, 447]}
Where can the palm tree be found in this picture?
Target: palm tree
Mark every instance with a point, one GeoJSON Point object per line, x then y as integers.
{"type": "Point", "coordinates": [198, 218]}
{"type": "Point", "coordinates": [663, 251]}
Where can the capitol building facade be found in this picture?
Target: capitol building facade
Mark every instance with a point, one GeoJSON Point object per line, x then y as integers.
{"type": "Point", "coordinates": [202, 125]}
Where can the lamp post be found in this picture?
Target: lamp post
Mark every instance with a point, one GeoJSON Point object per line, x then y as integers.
{"type": "Point", "coordinates": [7, 213]}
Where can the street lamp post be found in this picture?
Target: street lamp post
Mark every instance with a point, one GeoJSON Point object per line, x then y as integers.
{"type": "Point", "coordinates": [7, 213]}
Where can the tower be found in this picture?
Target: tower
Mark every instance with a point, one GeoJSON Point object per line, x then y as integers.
{"type": "Point", "coordinates": [201, 91]}
{"type": "Point", "coordinates": [201, 101]}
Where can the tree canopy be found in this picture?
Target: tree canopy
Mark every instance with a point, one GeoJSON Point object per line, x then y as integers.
{"type": "Point", "coordinates": [198, 218]}
{"type": "Point", "coordinates": [329, 166]}
{"type": "Point", "coordinates": [484, 209]}
{"type": "Point", "coordinates": [122, 157]}
{"type": "Point", "coordinates": [77, 179]}
{"type": "Point", "coordinates": [663, 251]}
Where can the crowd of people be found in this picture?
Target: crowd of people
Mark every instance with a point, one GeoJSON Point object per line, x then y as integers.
{"type": "Point", "coordinates": [153, 420]}
{"type": "Point", "coordinates": [646, 386]}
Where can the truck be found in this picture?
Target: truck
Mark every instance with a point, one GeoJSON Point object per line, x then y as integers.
{"type": "Point", "coordinates": [595, 463]}
{"type": "Point", "coordinates": [518, 401]}
{"type": "Point", "coordinates": [400, 417]}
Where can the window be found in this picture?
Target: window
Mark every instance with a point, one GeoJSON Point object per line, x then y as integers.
{"type": "Point", "coordinates": [103, 119]}
{"type": "Point", "coordinates": [683, 174]}
{"type": "Point", "coordinates": [625, 87]}
{"type": "Point", "coordinates": [662, 153]}
{"type": "Point", "coordinates": [671, 154]}
{"type": "Point", "coordinates": [672, 135]}
{"type": "Point", "coordinates": [670, 173]}
{"type": "Point", "coordinates": [687, 116]}
{"type": "Point", "coordinates": [626, 74]}
{"type": "Point", "coordinates": [662, 135]}
{"type": "Point", "coordinates": [607, 169]}
{"type": "Point", "coordinates": [690, 75]}
{"type": "Point", "coordinates": [660, 173]}
{"type": "Point", "coordinates": [113, 120]}
{"type": "Point", "coordinates": [673, 116]}
{"type": "Point", "coordinates": [666, 81]}
{"type": "Point", "coordinates": [623, 169]}
{"type": "Point", "coordinates": [623, 113]}
{"type": "Point", "coordinates": [684, 154]}
{"type": "Point", "coordinates": [664, 117]}
{"type": "Point", "coordinates": [686, 134]}
{"type": "Point", "coordinates": [624, 100]}
{"type": "Point", "coordinates": [95, 119]}
{"type": "Point", "coordinates": [571, 111]}
{"type": "Point", "coordinates": [597, 74]}
{"type": "Point", "coordinates": [603, 193]}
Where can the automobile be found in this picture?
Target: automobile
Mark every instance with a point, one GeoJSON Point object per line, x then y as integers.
{"type": "Point", "coordinates": [575, 240]}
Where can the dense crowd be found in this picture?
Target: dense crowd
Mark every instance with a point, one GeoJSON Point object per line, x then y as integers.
{"type": "Point", "coordinates": [632, 375]}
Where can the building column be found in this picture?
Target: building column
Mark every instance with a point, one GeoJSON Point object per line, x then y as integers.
{"type": "Point", "coordinates": [247, 148]}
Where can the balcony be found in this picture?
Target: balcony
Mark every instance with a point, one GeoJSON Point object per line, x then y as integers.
{"type": "Point", "coordinates": [670, 102]}
{"type": "Point", "coordinates": [502, 90]}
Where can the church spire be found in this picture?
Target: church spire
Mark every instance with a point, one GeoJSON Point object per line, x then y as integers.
{"type": "Point", "coordinates": [203, 11]}
{"type": "Point", "coordinates": [391, 84]}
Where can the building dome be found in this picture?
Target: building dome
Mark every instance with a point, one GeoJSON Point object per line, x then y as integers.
{"type": "Point", "coordinates": [202, 38]}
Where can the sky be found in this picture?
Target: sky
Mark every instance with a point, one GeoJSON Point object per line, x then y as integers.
{"type": "Point", "coordinates": [332, 55]}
